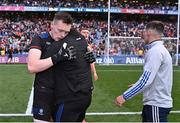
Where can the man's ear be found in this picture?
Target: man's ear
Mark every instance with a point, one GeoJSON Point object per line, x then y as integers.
{"type": "Point", "coordinates": [149, 33]}
{"type": "Point", "coordinates": [52, 24]}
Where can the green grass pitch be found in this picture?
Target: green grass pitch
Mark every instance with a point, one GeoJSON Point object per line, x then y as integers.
{"type": "Point", "coordinates": [16, 83]}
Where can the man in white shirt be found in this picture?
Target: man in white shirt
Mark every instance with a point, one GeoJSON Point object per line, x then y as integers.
{"type": "Point", "coordinates": [156, 80]}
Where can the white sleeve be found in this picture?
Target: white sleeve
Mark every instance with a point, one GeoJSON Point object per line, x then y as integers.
{"type": "Point", "coordinates": [153, 61]}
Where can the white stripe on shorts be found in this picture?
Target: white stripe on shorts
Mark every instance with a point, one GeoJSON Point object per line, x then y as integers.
{"type": "Point", "coordinates": [155, 114]}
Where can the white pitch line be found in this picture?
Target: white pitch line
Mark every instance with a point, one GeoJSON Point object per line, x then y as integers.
{"type": "Point", "coordinates": [15, 115]}
{"type": "Point", "coordinates": [30, 103]}
{"type": "Point", "coordinates": [90, 113]}
{"type": "Point", "coordinates": [128, 70]}
{"type": "Point", "coordinates": [113, 113]}
{"type": "Point", "coordinates": [119, 70]}
{"type": "Point", "coordinates": [123, 113]}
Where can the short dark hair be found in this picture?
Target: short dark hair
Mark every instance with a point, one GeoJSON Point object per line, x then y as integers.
{"type": "Point", "coordinates": [83, 28]}
{"type": "Point", "coordinates": [158, 26]}
{"type": "Point", "coordinates": [64, 16]}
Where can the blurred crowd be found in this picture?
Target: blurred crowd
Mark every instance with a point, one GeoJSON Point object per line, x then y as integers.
{"type": "Point", "coordinates": [135, 28]}
{"type": "Point", "coordinates": [146, 4]}
{"type": "Point", "coordinates": [126, 46]}
{"type": "Point", "coordinates": [56, 3]}
{"type": "Point", "coordinates": [131, 4]}
{"type": "Point", "coordinates": [17, 30]}
{"type": "Point", "coordinates": [136, 46]}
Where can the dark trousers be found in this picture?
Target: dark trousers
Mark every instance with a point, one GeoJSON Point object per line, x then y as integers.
{"type": "Point", "coordinates": [155, 114]}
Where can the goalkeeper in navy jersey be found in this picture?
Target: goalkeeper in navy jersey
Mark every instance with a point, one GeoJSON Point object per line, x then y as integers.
{"type": "Point", "coordinates": [156, 80]}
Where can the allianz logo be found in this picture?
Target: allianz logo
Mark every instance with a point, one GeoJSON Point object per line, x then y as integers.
{"type": "Point", "coordinates": [134, 60]}
{"type": "Point", "coordinates": [105, 60]}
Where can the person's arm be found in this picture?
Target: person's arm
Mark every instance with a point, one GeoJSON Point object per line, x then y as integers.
{"type": "Point", "coordinates": [152, 63]}
{"type": "Point", "coordinates": [93, 71]}
{"type": "Point", "coordinates": [89, 56]}
{"type": "Point", "coordinates": [35, 64]}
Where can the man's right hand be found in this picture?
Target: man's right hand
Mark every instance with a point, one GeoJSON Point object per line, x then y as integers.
{"type": "Point", "coordinates": [65, 53]}
{"type": "Point", "coordinates": [119, 101]}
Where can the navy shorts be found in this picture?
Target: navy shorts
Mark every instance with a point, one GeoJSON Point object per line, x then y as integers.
{"type": "Point", "coordinates": [43, 104]}
{"type": "Point", "coordinates": [155, 114]}
{"type": "Point", "coordinates": [72, 110]}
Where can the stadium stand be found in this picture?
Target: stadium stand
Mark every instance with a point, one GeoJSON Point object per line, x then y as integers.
{"type": "Point", "coordinates": [139, 4]}
{"type": "Point", "coordinates": [132, 4]}
{"type": "Point", "coordinates": [18, 28]}
{"type": "Point", "coordinates": [17, 31]}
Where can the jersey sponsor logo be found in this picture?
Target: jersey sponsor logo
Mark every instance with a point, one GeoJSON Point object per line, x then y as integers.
{"type": "Point", "coordinates": [78, 39]}
{"type": "Point", "coordinates": [48, 43]}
